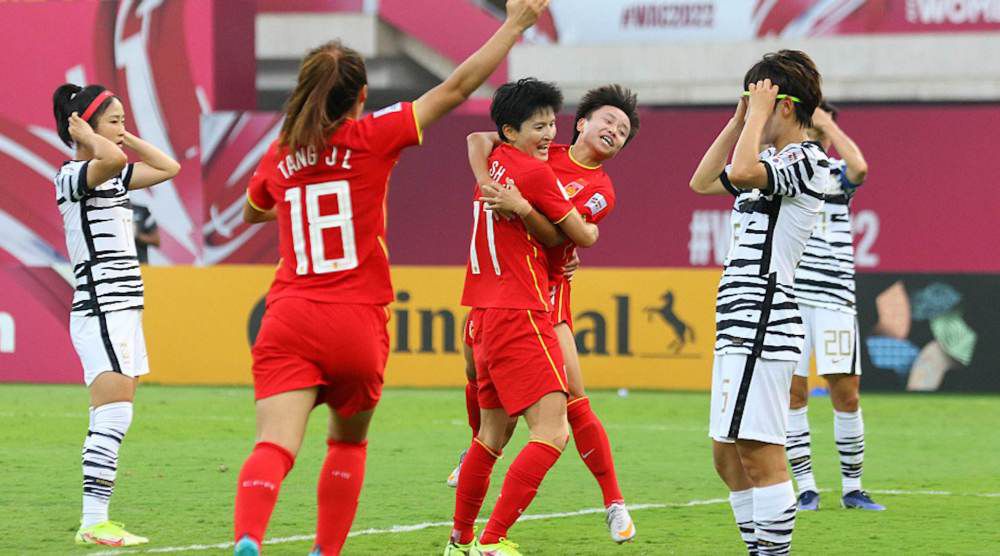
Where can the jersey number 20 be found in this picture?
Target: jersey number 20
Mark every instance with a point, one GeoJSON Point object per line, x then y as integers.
{"type": "Point", "coordinates": [318, 223]}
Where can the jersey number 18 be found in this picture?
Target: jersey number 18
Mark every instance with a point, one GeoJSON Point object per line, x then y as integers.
{"type": "Point", "coordinates": [317, 223]}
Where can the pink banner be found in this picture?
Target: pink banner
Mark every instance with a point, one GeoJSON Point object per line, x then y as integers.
{"type": "Point", "coordinates": [923, 209]}
{"type": "Point", "coordinates": [34, 326]}
{"type": "Point", "coordinates": [168, 62]}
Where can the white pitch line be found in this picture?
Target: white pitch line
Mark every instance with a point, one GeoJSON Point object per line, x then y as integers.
{"type": "Point", "coordinates": [395, 529]}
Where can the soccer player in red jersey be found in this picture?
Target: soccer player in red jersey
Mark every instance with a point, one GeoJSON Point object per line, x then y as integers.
{"type": "Point", "coordinates": [323, 338]}
{"type": "Point", "coordinates": [606, 120]}
{"type": "Point", "coordinates": [519, 363]}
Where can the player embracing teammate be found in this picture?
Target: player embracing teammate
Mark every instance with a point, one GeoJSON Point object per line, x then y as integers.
{"type": "Point", "coordinates": [323, 338]}
{"type": "Point", "coordinates": [759, 334]}
{"type": "Point", "coordinates": [606, 120]}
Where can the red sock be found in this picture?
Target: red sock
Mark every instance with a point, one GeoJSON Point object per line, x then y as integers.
{"type": "Point", "coordinates": [592, 442]}
{"type": "Point", "coordinates": [257, 488]}
{"type": "Point", "coordinates": [337, 494]}
{"type": "Point", "coordinates": [519, 488]}
{"type": "Point", "coordinates": [473, 482]}
{"type": "Point", "coordinates": [472, 405]}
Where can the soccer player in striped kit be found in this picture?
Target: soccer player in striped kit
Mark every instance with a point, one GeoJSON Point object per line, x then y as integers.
{"type": "Point", "coordinates": [323, 339]}
{"type": "Point", "coordinates": [606, 121]}
{"type": "Point", "coordinates": [759, 335]}
{"type": "Point", "coordinates": [824, 286]}
{"type": "Point", "coordinates": [106, 316]}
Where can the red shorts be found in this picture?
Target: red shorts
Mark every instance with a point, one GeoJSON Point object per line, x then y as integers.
{"type": "Point", "coordinates": [517, 356]}
{"type": "Point", "coordinates": [560, 293]}
{"type": "Point", "coordinates": [342, 348]}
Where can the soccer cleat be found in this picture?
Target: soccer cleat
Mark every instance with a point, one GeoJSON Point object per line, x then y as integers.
{"type": "Point", "coordinates": [620, 523]}
{"type": "Point", "coordinates": [453, 478]}
{"type": "Point", "coordinates": [108, 533]}
{"type": "Point", "coordinates": [502, 548]}
{"type": "Point", "coordinates": [859, 499]}
{"type": "Point", "coordinates": [455, 548]}
{"type": "Point", "coordinates": [808, 501]}
{"type": "Point", "coordinates": [249, 547]}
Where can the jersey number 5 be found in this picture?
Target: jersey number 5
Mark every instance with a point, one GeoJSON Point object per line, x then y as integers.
{"type": "Point", "coordinates": [318, 223]}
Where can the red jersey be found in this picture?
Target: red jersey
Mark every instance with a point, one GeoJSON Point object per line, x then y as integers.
{"type": "Point", "coordinates": [331, 209]}
{"type": "Point", "coordinates": [591, 192]}
{"type": "Point", "coordinates": [507, 266]}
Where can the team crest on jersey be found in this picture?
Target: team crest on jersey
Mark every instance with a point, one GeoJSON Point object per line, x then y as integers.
{"type": "Point", "coordinates": [574, 187]}
{"type": "Point", "coordinates": [788, 157]}
{"type": "Point", "coordinates": [388, 110]}
{"type": "Point", "coordinates": [597, 203]}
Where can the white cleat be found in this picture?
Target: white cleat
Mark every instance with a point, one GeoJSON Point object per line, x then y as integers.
{"type": "Point", "coordinates": [453, 478]}
{"type": "Point", "coordinates": [620, 523]}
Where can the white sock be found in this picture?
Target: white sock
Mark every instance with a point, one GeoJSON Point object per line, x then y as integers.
{"type": "Point", "coordinates": [109, 423]}
{"type": "Point", "coordinates": [849, 432]}
{"type": "Point", "coordinates": [798, 447]}
{"type": "Point", "coordinates": [774, 518]}
{"type": "Point", "coordinates": [742, 503]}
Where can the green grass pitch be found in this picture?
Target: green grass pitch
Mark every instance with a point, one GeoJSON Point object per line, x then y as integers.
{"type": "Point", "coordinates": [932, 460]}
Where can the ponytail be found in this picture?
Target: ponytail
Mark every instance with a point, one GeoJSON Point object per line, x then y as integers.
{"type": "Point", "coordinates": [70, 98]}
{"type": "Point", "coordinates": [330, 81]}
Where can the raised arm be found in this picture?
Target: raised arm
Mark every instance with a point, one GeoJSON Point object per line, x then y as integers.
{"type": "Point", "coordinates": [747, 171]}
{"type": "Point", "coordinates": [579, 231]}
{"type": "Point", "coordinates": [857, 168]}
{"type": "Point", "coordinates": [706, 179]}
{"type": "Point", "coordinates": [155, 166]}
{"type": "Point", "coordinates": [108, 161]}
{"type": "Point", "coordinates": [473, 72]}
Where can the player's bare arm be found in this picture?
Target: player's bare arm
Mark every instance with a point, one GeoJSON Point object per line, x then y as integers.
{"type": "Point", "coordinates": [108, 160]}
{"type": "Point", "coordinates": [747, 171]}
{"type": "Point", "coordinates": [579, 231]}
{"type": "Point", "coordinates": [480, 145]}
{"type": "Point", "coordinates": [857, 168]}
{"type": "Point", "coordinates": [155, 166]}
{"type": "Point", "coordinates": [706, 176]}
{"type": "Point", "coordinates": [507, 199]}
{"type": "Point", "coordinates": [473, 72]}
{"type": "Point", "coordinates": [253, 215]}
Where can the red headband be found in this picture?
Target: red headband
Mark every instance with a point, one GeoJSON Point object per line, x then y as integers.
{"type": "Point", "coordinates": [94, 104]}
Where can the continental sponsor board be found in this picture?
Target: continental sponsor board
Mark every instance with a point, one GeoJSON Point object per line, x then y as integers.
{"type": "Point", "coordinates": [635, 328]}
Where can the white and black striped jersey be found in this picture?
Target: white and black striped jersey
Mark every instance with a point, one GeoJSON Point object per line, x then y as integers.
{"type": "Point", "coordinates": [756, 313]}
{"type": "Point", "coordinates": [825, 276]}
{"type": "Point", "coordinates": [100, 240]}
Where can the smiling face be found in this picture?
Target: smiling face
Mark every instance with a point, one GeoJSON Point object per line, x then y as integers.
{"type": "Point", "coordinates": [110, 124]}
{"type": "Point", "coordinates": [535, 134]}
{"type": "Point", "coordinates": [605, 131]}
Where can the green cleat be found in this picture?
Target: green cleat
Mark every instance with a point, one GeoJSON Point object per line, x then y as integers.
{"type": "Point", "coordinates": [502, 548]}
{"type": "Point", "coordinates": [108, 533]}
{"type": "Point", "coordinates": [455, 548]}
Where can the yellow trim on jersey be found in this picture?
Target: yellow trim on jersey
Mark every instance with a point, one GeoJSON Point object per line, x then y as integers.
{"type": "Point", "coordinates": [547, 355]}
{"type": "Point", "coordinates": [487, 448]}
{"type": "Point", "coordinates": [385, 248]}
{"type": "Point", "coordinates": [559, 301]}
{"type": "Point", "coordinates": [569, 151]}
{"type": "Point", "coordinates": [253, 204]}
{"type": "Point", "coordinates": [416, 122]}
{"type": "Point", "coordinates": [549, 444]}
{"type": "Point", "coordinates": [534, 279]}
{"type": "Point", "coordinates": [565, 216]}
{"type": "Point", "coordinates": [576, 400]}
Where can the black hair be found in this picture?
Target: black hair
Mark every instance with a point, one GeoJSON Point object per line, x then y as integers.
{"type": "Point", "coordinates": [70, 98]}
{"type": "Point", "coordinates": [794, 72]}
{"type": "Point", "coordinates": [609, 95]}
{"type": "Point", "coordinates": [516, 102]}
{"type": "Point", "coordinates": [829, 107]}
